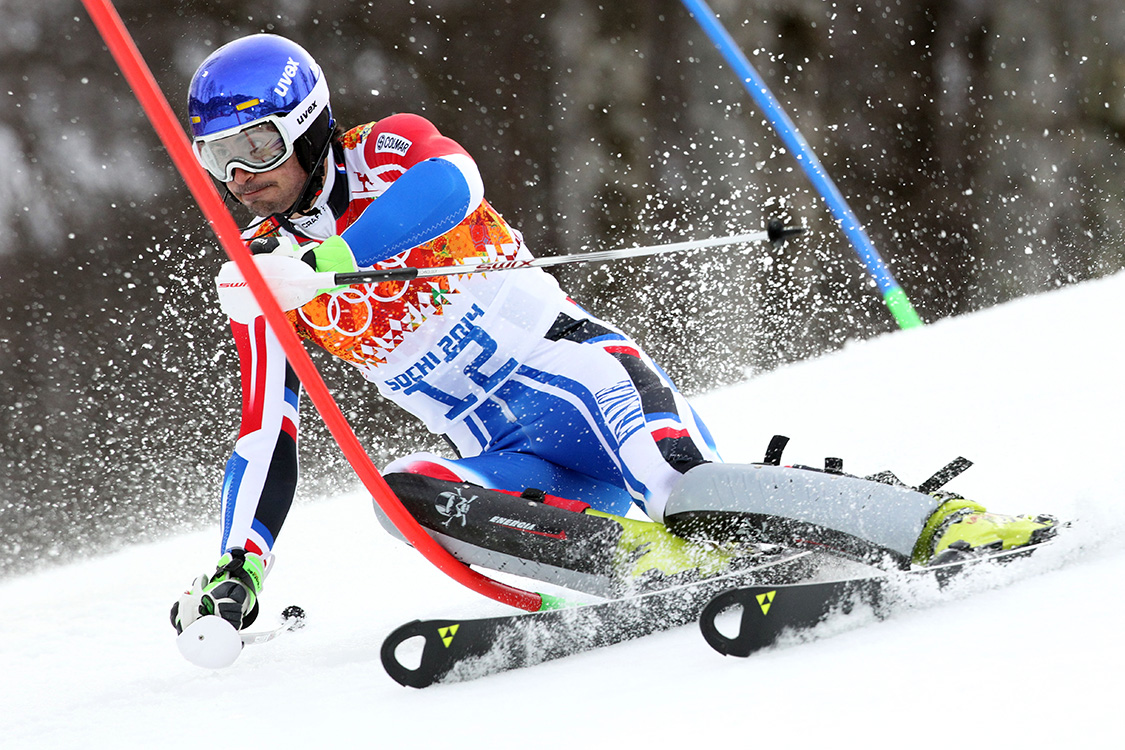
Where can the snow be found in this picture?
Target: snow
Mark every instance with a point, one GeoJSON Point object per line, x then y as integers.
{"type": "Point", "coordinates": [1031, 391]}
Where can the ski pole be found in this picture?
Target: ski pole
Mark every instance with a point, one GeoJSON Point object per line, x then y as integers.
{"type": "Point", "coordinates": [893, 295]}
{"type": "Point", "coordinates": [775, 234]}
{"type": "Point", "coordinates": [293, 282]}
{"type": "Point", "coordinates": [293, 618]}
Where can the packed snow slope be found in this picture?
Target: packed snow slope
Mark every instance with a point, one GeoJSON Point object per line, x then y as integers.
{"type": "Point", "coordinates": [1031, 391]}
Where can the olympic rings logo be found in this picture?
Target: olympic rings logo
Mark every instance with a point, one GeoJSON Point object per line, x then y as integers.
{"type": "Point", "coordinates": [362, 296]}
{"type": "Point", "coordinates": [335, 311]}
{"type": "Point", "coordinates": [395, 261]}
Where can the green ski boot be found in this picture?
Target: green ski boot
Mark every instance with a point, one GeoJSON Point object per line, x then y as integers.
{"type": "Point", "coordinates": [650, 556]}
{"type": "Point", "coordinates": [960, 528]}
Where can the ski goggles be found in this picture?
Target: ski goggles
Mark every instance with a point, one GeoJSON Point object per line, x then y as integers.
{"type": "Point", "coordinates": [262, 144]}
{"type": "Point", "coordinates": [256, 148]}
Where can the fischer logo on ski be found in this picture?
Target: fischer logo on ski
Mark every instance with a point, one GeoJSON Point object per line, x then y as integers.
{"type": "Point", "coordinates": [447, 634]}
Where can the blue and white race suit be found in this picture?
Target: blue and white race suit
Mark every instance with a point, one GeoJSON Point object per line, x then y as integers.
{"type": "Point", "coordinates": [528, 388]}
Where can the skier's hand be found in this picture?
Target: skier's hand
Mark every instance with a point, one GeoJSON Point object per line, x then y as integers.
{"type": "Point", "coordinates": [289, 269]}
{"type": "Point", "coordinates": [231, 593]}
{"type": "Point", "coordinates": [285, 247]}
{"type": "Point", "coordinates": [331, 255]}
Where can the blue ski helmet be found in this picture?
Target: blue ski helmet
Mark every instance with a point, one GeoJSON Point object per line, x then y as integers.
{"type": "Point", "coordinates": [255, 102]}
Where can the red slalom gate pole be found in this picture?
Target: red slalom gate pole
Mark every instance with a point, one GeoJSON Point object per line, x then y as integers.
{"type": "Point", "coordinates": [163, 119]}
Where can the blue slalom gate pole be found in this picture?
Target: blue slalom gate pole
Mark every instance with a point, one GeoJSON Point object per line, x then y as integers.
{"type": "Point", "coordinates": [893, 294]}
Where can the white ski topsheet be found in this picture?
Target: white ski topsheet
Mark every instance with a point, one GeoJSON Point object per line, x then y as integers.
{"type": "Point", "coordinates": [1030, 391]}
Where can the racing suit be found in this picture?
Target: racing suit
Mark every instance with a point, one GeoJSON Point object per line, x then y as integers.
{"type": "Point", "coordinates": [527, 387]}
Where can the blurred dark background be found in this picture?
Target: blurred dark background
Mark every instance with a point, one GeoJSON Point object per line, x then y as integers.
{"type": "Point", "coordinates": [978, 142]}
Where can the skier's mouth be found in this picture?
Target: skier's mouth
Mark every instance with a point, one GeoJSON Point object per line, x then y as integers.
{"type": "Point", "coordinates": [252, 190]}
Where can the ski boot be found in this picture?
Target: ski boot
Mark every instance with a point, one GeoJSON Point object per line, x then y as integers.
{"type": "Point", "coordinates": [960, 528]}
{"type": "Point", "coordinates": [650, 556]}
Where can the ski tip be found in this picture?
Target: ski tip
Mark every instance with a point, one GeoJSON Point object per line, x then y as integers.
{"type": "Point", "coordinates": [210, 642]}
{"type": "Point", "coordinates": [425, 672]}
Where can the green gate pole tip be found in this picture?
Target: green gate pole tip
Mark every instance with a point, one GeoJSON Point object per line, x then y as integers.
{"type": "Point", "coordinates": [553, 602]}
{"type": "Point", "coordinates": [901, 309]}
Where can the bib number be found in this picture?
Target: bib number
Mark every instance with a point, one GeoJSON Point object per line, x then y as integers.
{"type": "Point", "coordinates": [454, 346]}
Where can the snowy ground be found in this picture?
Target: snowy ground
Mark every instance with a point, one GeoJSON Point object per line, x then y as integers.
{"type": "Point", "coordinates": [1031, 391]}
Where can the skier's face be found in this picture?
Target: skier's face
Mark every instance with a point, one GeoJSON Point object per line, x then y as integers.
{"type": "Point", "coordinates": [271, 192]}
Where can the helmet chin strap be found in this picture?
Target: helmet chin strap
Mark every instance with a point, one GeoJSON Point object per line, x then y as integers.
{"type": "Point", "coordinates": [304, 197]}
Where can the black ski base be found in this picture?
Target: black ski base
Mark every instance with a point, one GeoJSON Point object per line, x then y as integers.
{"type": "Point", "coordinates": [769, 612]}
{"type": "Point", "coordinates": [459, 650]}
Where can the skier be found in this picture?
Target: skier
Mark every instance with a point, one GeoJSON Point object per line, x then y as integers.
{"type": "Point", "coordinates": [559, 421]}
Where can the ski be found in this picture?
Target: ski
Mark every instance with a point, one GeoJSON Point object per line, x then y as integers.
{"type": "Point", "coordinates": [467, 649]}
{"type": "Point", "coordinates": [763, 614]}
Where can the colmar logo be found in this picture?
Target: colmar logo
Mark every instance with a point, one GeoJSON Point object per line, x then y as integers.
{"type": "Point", "coordinates": [389, 143]}
{"type": "Point", "coordinates": [286, 80]}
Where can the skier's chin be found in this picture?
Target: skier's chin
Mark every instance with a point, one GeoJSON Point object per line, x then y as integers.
{"type": "Point", "coordinates": [261, 205]}
{"type": "Point", "coordinates": [264, 200]}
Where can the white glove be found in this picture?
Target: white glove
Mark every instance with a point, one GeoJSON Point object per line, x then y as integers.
{"type": "Point", "coordinates": [296, 274]}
